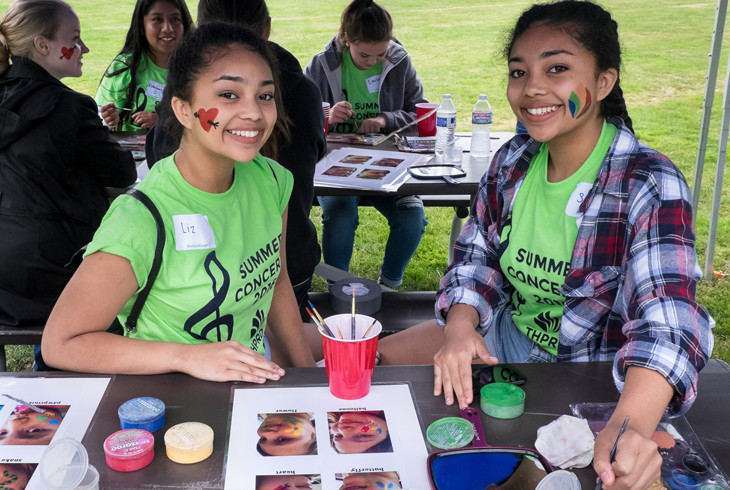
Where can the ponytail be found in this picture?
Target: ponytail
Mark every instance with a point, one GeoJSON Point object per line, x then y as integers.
{"type": "Point", "coordinates": [615, 105]}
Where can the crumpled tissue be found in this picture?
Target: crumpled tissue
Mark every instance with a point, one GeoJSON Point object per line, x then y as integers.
{"type": "Point", "coordinates": [566, 442]}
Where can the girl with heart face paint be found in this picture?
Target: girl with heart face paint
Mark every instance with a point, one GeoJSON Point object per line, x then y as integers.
{"type": "Point", "coordinates": [223, 279]}
{"type": "Point", "coordinates": [56, 157]}
{"type": "Point", "coordinates": [133, 84]}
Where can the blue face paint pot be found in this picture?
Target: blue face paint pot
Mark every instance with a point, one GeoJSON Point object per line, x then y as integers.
{"type": "Point", "coordinates": [146, 413]}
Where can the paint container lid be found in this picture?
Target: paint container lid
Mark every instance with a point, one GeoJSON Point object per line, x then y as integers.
{"type": "Point", "coordinates": [64, 464]}
{"type": "Point", "coordinates": [145, 412]}
{"type": "Point", "coordinates": [502, 400]}
{"type": "Point", "coordinates": [450, 433]}
{"type": "Point", "coordinates": [189, 442]}
{"type": "Point", "coordinates": [129, 449]}
{"type": "Point", "coordinates": [559, 480]}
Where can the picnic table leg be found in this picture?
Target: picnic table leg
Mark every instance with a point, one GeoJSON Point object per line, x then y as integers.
{"type": "Point", "coordinates": [460, 213]}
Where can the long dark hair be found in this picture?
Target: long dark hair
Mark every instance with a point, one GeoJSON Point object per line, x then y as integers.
{"type": "Point", "coordinates": [202, 48]}
{"type": "Point", "coordinates": [365, 21]}
{"type": "Point", "coordinates": [135, 45]}
{"type": "Point", "coordinates": [253, 14]}
{"type": "Point", "coordinates": [593, 28]}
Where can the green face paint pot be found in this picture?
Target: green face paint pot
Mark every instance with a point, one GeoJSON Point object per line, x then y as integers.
{"type": "Point", "coordinates": [502, 400]}
{"type": "Point", "coordinates": [450, 433]}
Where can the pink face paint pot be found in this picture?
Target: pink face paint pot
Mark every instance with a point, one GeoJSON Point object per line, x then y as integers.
{"type": "Point", "coordinates": [145, 413]}
{"type": "Point", "coordinates": [129, 449]}
{"type": "Point", "coordinates": [189, 442]}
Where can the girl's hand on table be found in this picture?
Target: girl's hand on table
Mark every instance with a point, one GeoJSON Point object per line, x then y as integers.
{"type": "Point", "coordinates": [145, 119]}
{"type": "Point", "coordinates": [373, 125]}
{"type": "Point", "coordinates": [637, 463]}
{"type": "Point", "coordinates": [452, 363]}
{"type": "Point", "coordinates": [227, 361]}
{"type": "Point", "coordinates": [341, 112]}
{"type": "Point", "coordinates": [109, 114]}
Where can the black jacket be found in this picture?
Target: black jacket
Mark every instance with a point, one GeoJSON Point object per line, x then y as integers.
{"type": "Point", "coordinates": [56, 157]}
{"type": "Point", "coordinates": [303, 106]}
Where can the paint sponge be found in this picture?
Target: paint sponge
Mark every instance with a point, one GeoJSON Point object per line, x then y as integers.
{"type": "Point", "coordinates": [566, 442]}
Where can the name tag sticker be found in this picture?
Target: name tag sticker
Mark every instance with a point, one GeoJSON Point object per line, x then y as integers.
{"type": "Point", "coordinates": [577, 198]}
{"type": "Point", "coordinates": [193, 232]}
{"type": "Point", "coordinates": [373, 83]}
{"type": "Point", "coordinates": [154, 90]}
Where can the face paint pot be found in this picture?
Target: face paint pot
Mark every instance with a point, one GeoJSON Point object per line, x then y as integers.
{"type": "Point", "coordinates": [559, 480]}
{"type": "Point", "coordinates": [65, 465]}
{"type": "Point", "coordinates": [129, 449]}
{"type": "Point", "coordinates": [145, 413]}
{"type": "Point", "coordinates": [502, 400]}
{"type": "Point", "coordinates": [189, 442]}
{"type": "Point", "coordinates": [450, 433]}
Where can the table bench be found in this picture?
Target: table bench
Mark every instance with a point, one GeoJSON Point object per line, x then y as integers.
{"type": "Point", "coordinates": [27, 335]}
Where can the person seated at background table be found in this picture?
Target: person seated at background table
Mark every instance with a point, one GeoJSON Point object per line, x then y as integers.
{"type": "Point", "coordinates": [372, 86]}
{"type": "Point", "coordinates": [299, 153]}
{"type": "Point", "coordinates": [56, 157]}
{"type": "Point", "coordinates": [132, 85]}
{"type": "Point", "coordinates": [223, 276]}
{"type": "Point", "coordinates": [579, 247]}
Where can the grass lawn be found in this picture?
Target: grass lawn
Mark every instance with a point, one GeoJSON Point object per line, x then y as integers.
{"type": "Point", "coordinates": [456, 48]}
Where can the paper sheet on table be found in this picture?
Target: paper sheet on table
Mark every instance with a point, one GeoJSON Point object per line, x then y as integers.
{"type": "Point", "coordinates": [326, 468]}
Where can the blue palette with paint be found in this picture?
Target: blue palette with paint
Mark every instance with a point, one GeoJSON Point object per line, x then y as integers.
{"type": "Point", "coordinates": [145, 413]}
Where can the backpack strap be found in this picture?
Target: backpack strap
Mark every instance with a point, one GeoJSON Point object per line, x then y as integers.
{"type": "Point", "coordinates": [131, 323]}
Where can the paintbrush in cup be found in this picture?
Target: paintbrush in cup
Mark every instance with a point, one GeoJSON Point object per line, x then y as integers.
{"type": "Point", "coordinates": [352, 319]}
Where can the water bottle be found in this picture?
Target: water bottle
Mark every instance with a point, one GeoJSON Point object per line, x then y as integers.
{"type": "Point", "coordinates": [445, 128]}
{"type": "Point", "coordinates": [481, 126]}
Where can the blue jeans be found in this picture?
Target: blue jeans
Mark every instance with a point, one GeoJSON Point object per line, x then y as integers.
{"type": "Point", "coordinates": [406, 218]}
{"type": "Point", "coordinates": [505, 342]}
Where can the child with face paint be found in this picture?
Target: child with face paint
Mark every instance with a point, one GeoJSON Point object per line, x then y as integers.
{"type": "Point", "coordinates": [133, 83]}
{"type": "Point", "coordinates": [283, 482]}
{"type": "Point", "coordinates": [359, 432]}
{"type": "Point", "coordinates": [383, 480]}
{"type": "Point", "coordinates": [15, 476]}
{"type": "Point", "coordinates": [370, 82]}
{"type": "Point", "coordinates": [580, 245]}
{"type": "Point", "coordinates": [55, 158]}
{"type": "Point", "coordinates": [287, 434]}
{"type": "Point", "coordinates": [223, 279]}
{"type": "Point", "coordinates": [27, 426]}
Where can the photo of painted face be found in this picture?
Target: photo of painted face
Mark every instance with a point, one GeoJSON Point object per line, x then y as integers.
{"type": "Point", "coordinates": [373, 174]}
{"type": "Point", "coordinates": [359, 432]}
{"type": "Point", "coordinates": [286, 434]}
{"type": "Point", "coordinates": [338, 171]}
{"type": "Point", "coordinates": [26, 426]}
{"type": "Point", "coordinates": [388, 162]}
{"type": "Point", "coordinates": [355, 159]}
{"type": "Point", "coordinates": [384, 480]}
{"type": "Point", "coordinates": [293, 482]}
{"type": "Point", "coordinates": [16, 476]}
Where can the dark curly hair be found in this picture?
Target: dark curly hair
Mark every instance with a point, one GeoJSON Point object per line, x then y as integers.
{"type": "Point", "coordinates": [198, 51]}
{"type": "Point", "coordinates": [593, 28]}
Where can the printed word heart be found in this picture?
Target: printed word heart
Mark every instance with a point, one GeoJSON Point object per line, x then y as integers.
{"type": "Point", "coordinates": [67, 52]}
{"type": "Point", "coordinates": [207, 118]}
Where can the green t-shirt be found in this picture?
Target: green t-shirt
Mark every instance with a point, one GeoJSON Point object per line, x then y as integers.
{"type": "Point", "coordinates": [361, 88]}
{"type": "Point", "coordinates": [151, 80]}
{"type": "Point", "coordinates": [541, 240]}
{"type": "Point", "coordinates": [221, 258]}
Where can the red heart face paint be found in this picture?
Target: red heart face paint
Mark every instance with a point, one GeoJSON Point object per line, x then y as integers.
{"type": "Point", "coordinates": [580, 101]}
{"type": "Point", "coordinates": [207, 118]}
{"type": "Point", "coordinates": [67, 52]}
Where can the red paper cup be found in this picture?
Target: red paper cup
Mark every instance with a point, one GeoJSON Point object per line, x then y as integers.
{"type": "Point", "coordinates": [350, 363]}
{"type": "Point", "coordinates": [326, 112]}
{"type": "Point", "coordinates": [427, 127]}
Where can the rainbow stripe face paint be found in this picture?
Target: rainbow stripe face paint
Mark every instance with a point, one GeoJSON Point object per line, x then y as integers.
{"type": "Point", "coordinates": [579, 102]}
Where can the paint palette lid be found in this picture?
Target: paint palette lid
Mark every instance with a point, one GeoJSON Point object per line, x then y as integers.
{"type": "Point", "coordinates": [64, 464]}
{"type": "Point", "coordinates": [450, 433]}
{"type": "Point", "coordinates": [559, 480]}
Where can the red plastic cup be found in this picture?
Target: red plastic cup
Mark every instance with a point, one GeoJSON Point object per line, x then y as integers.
{"type": "Point", "coordinates": [326, 112]}
{"type": "Point", "coordinates": [350, 363]}
{"type": "Point", "coordinates": [427, 127]}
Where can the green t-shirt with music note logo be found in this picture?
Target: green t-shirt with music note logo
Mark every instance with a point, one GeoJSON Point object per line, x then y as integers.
{"type": "Point", "coordinates": [221, 258]}
{"type": "Point", "coordinates": [540, 241]}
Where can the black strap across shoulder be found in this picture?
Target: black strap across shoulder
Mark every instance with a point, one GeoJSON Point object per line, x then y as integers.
{"type": "Point", "coordinates": [131, 323]}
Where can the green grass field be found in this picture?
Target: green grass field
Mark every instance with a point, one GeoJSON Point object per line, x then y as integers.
{"type": "Point", "coordinates": [456, 48]}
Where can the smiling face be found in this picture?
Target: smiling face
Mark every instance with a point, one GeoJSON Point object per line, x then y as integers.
{"type": "Point", "coordinates": [25, 426]}
{"type": "Point", "coordinates": [554, 86]}
{"type": "Point", "coordinates": [286, 434]}
{"type": "Point", "coordinates": [356, 432]}
{"type": "Point", "coordinates": [163, 27]}
{"type": "Point", "coordinates": [281, 482]}
{"type": "Point", "coordinates": [365, 55]}
{"type": "Point", "coordinates": [64, 53]}
{"type": "Point", "coordinates": [232, 112]}
{"type": "Point", "coordinates": [387, 480]}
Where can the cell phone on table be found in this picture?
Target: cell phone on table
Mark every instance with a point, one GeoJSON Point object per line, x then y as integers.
{"type": "Point", "coordinates": [501, 373]}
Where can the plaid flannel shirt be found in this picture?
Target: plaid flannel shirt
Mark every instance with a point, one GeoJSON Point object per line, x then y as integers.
{"type": "Point", "coordinates": [630, 292]}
